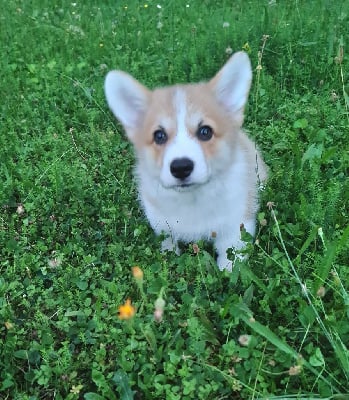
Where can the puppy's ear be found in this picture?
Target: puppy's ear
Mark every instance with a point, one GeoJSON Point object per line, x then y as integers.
{"type": "Point", "coordinates": [127, 99]}
{"type": "Point", "coordinates": [232, 83]}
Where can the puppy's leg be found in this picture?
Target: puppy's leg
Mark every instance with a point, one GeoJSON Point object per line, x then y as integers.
{"type": "Point", "coordinates": [229, 242]}
{"type": "Point", "coordinates": [222, 246]}
{"type": "Point", "coordinates": [170, 244]}
{"type": "Point", "coordinates": [224, 263]}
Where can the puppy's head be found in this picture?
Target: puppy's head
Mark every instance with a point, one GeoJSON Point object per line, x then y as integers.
{"type": "Point", "coordinates": [184, 134]}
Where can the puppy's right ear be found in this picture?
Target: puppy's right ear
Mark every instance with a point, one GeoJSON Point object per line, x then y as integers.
{"type": "Point", "coordinates": [232, 84]}
{"type": "Point", "coordinates": [127, 99]}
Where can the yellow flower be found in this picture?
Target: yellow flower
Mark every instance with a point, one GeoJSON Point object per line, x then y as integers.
{"type": "Point", "coordinates": [126, 311]}
{"type": "Point", "coordinates": [137, 273]}
{"type": "Point", "coordinates": [246, 47]}
{"type": "Point", "coordinates": [76, 389]}
{"type": "Point", "coordinates": [9, 325]}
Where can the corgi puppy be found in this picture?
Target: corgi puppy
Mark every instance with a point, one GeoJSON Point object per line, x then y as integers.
{"type": "Point", "coordinates": [198, 172]}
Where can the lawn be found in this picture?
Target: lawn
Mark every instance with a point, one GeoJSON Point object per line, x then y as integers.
{"type": "Point", "coordinates": [72, 233]}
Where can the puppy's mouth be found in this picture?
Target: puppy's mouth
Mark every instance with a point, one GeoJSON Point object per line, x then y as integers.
{"type": "Point", "coordinates": [185, 186]}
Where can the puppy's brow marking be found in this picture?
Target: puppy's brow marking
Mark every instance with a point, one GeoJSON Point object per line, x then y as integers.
{"type": "Point", "coordinates": [180, 106]}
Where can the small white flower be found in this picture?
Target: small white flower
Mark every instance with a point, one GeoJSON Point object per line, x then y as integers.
{"type": "Point", "coordinates": [295, 370]}
{"type": "Point", "coordinates": [159, 25]}
{"type": "Point", "coordinates": [321, 291]}
{"type": "Point", "coordinates": [158, 315]}
{"type": "Point", "coordinates": [76, 30]}
{"type": "Point", "coordinates": [55, 262]}
{"type": "Point", "coordinates": [244, 340]}
{"type": "Point", "coordinates": [158, 6]}
{"type": "Point", "coordinates": [20, 209]}
{"type": "Point", "coordinates": [226, 24]}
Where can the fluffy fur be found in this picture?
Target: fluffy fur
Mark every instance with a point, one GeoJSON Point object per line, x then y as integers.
{"type": "Point", "coordinates": [197, 170]}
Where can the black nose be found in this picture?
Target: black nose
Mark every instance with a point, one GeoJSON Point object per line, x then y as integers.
{"type": "Point", "coordinates": [181, 168]}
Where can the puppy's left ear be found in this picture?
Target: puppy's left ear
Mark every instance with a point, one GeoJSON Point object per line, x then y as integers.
{"type": "Point", "coordinates": [232, 83]}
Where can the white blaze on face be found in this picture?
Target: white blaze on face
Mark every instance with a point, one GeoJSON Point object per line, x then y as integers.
{"type": "Point", "coordinates": [184, 145]}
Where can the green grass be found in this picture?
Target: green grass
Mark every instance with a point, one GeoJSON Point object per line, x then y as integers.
{"type": "Point", "coordinates": [277, 327]}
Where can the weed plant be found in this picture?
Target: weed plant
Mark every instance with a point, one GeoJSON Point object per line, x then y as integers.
{"type": "Point", "coordinates": [277, 327]}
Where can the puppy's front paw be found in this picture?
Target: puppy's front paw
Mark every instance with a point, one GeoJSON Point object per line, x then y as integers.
{"type": "Point", "coordinates": [169, 244]}
{"type": "Point", "coordinates": [224, 264]}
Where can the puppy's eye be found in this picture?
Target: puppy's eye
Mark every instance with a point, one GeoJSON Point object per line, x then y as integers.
{"type": "Point", "coordinates": [160, 136]}
{"type": "Point", "coordinates": [204, 133]}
